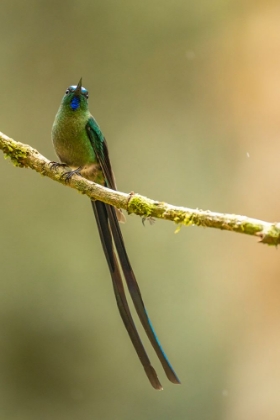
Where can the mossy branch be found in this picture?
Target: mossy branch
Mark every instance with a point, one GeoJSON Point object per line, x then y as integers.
{"type": "Point", "coordinates": [24, 156]}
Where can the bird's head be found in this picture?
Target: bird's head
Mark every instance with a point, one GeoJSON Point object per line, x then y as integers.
{"type": "Point", "coordinates": [76, 98]}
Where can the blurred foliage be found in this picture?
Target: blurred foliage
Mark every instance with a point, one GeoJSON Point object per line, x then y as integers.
{"type": "Point", "coordinates": [188, 96]}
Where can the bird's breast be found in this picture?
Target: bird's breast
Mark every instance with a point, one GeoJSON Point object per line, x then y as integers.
{"type": "Point", "coordinates": [71, 142]}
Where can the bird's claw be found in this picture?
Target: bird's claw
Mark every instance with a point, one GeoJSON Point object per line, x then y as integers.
{"type": "Point", "coordinates": [68, 175]}
{"type": "Point", "coordinates": [55, 165]}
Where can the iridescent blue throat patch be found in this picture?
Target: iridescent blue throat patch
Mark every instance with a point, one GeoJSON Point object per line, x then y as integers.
{"type": "Point", "coordinates": [75, 103]}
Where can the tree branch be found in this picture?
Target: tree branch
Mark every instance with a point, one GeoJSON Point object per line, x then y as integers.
{"type": "Point", "coordinates": [24, 156]}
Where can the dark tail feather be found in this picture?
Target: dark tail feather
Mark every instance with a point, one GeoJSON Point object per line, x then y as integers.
{"type": "Point", "coordinates": [101, 215]}
{"type": "Point", "coordinates": [136, 294]}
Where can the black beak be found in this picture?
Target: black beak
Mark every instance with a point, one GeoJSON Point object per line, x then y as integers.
{"type": "Point", "coordinates": [78, 89]}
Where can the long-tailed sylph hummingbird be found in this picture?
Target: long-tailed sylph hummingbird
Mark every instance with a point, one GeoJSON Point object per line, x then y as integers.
{"type": "Point", "coordinates": [80, 144]}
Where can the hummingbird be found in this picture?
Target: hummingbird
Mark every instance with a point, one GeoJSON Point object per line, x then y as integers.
{"type": "Point", "coordinates": [80, 145]}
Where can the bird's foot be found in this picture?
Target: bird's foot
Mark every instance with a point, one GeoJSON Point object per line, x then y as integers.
{"type": "Point", "coordinates": [68, 175]}
{"type": "Point", "coordinates": [150, 219]}
{"type": "Point", "coordinates": [55, 165]}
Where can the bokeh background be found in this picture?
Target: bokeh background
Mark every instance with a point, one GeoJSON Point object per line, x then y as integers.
{"type": "Point", "coordinates": [187, 94]}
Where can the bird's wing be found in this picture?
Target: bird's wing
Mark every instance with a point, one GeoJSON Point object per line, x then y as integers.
{"type": "Point", "coordinates": [100, 148]}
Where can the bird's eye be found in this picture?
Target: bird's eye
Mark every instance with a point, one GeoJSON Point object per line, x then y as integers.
{"type": "Point", "coordinates": [86, 95]}
{"type": "Point", "coordinates": [67, 91]}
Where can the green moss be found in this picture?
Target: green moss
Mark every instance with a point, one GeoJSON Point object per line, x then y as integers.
{"type": "Point", "coordinates": [180, 218]}
{"type": "Point", "coordinates": [17, 156]}
{"type": "Point", "coordinates": [139, 206]}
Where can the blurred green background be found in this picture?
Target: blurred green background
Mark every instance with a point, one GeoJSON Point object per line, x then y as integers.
{"type": "Point", "coordinates": [187, 94]}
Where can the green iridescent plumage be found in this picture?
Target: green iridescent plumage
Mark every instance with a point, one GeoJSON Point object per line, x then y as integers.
{"type": "Point", "coordinates": [80, 144]}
